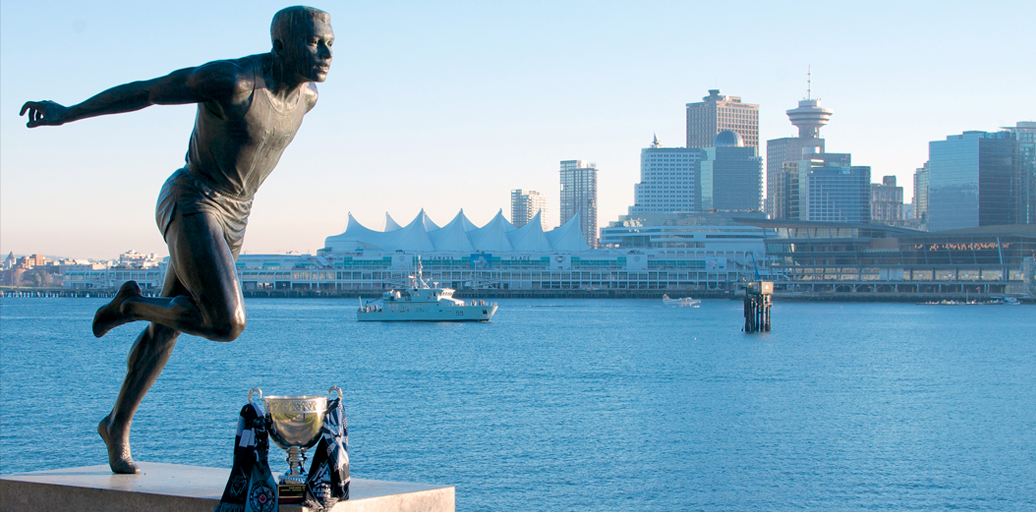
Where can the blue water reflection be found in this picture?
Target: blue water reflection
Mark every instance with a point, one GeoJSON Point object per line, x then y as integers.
{"type": "Point", "coordinates": [579, 404]}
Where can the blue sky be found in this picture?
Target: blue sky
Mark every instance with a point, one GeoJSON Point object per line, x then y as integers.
{"type": "Point", "coordinates": [450, 105]}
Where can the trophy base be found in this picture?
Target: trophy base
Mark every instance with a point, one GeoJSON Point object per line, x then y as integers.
{"type": "Point", "coordinates": [290, 493]}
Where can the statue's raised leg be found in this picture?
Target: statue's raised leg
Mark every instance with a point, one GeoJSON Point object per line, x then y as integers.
{"type": "Point", "coordinates": [207, 300]}
{"type": "Point", "coordinates": [201, 296]}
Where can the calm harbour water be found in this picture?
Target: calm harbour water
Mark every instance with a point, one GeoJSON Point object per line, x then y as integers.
{"type": "Point", "coordinates": [578, 404]}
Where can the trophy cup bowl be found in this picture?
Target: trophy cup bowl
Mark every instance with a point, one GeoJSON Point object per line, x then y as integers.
{"type": "Point", "coordinates": [294, 422]}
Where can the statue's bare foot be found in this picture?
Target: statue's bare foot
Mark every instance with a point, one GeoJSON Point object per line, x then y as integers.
{"type": "Point", "coordinates": [110, 315]}
{"type": "Point", "coordinates": [118, 451]}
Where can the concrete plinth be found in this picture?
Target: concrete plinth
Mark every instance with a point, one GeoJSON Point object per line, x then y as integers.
{"type": "Point", "coordinates": [172, 487]}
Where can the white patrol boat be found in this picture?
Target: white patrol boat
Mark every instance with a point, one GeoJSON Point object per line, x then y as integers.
{"type": "Point", "coordinates": [423, 303]}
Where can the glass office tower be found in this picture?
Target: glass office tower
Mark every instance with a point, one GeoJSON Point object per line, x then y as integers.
{"type": "Point", "coordinates": [1025, 163]}
{"type": "Point", "coordinates": [972, 181]}
{"type": "Point", "coordinates": [731, 175]}
{"type": "Point", "coordinates": [826, 187]}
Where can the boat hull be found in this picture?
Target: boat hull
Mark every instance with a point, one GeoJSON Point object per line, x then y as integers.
{"type": "Point", "coordinates": [681, 302]}
{"type": "Point", "coordinates": [429, 313]}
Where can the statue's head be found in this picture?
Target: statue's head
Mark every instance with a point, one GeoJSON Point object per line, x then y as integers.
{"type": "Point", "coordinates": [302, 39]}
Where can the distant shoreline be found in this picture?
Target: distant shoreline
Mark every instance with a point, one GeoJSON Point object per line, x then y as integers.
{"type": "Point", "coordinates": [778, 296]}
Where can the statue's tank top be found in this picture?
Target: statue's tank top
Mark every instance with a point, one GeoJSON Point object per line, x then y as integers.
{"type": "Point", "coordinates": [234, 156]}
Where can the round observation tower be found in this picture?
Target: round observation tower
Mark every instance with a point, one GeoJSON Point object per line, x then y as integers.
{"type": "Point", "coordinates": [809, 117]}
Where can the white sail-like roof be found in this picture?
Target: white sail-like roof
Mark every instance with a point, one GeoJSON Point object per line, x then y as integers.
{"type": "Point", "coordinates": [414, 236]}
{"type": "Point", "coordinates": [459, 236]}
{"type": "Point", "coordinates": [530, 237]}
{"type": "Point", "coordinates": [493, 236]}
{"type": "Point", "coordinates": [356, 236]}
{"type": "Point", "coordinates": [426, 221]}
{"type": "Point", "coordinates": [453, 237]}
{"type": "Point", "coordinates": [568, 237]}
{"type": "Point", "coordinates": [468, 225]}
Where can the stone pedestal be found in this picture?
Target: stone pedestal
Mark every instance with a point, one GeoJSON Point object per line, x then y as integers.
{"type": "Point", "coordinates": [172, 487]}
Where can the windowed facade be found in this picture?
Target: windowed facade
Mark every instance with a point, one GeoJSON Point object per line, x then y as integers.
{"type": "Point", "coordinates": [668, 179]}
{"type": "Point", "coordinates": [525, 204]}
{"type": "Point", "coordinates": [731, 179]}
{"type": "Point", "coordinates": [827, 188]}
{"type": "Point", "coordinates": [1025, 163]}
{"type": "Point", "coordinates": [972, 181]}
{"type": "Point", "coordinates": [887, 201]}
{"type": "Point", "coordinates": [921, 178]}
{"type": "Point", "coordinates": [717, 113]}
{"type": "Point", "coordinates": [579, 195]}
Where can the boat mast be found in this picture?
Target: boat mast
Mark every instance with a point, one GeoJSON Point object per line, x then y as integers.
{"type": "Point", "coordinates": [419, 281]}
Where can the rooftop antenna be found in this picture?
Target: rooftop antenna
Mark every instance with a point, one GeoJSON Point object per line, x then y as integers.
{"type": "Point", "coordinates": [809, 82]}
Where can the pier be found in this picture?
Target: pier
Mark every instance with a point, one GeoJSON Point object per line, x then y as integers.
{"type": "Point", "coordinates": [758, 299]}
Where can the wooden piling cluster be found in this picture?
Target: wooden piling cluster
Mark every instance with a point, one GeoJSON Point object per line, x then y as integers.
{"type": "Point", "coordinates": [758, 299]}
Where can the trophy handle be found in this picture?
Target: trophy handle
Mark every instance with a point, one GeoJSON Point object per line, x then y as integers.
{"type": "Point", "coordinates": [333, 388]}
{"type": "Point", "coordinates": [250, 395]}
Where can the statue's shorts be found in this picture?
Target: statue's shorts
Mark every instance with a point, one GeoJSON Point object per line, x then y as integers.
{"type": "Point", "coordinates": [184, 194]}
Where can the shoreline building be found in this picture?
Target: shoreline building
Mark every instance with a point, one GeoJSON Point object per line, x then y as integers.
{"type": "Point", "coordinates": [809, 117]}
{"type": "Point", "coordinates": [887, 202]}
{"type": "Point", "coordinates": [579, 197]}
{"type": "Point", "coordinates": [724, 176]}
{"type": "Point", "coordinates": [707, 254]}
{"type": "Point", "coordinates": [731, 175]}
{"type": "Point", "coordinates": [148, 270]}
{"type": "Point", "coordinates": [889, 263]}
{"type": "Point", "coordinates": [526, 205]}
{"type": "Point", "coordinates": [668, 180]}
{"type": "Point", "coordinates": [1025, 160]}
{"type": "Point", "coordinates": [716, 113]}
{"type": "Point", "coordinates": [691, 254]}
{"type": "Point", "coordinates": [972, 181]}
{"type": "Point", "coordinates": [826, 187]}
{"type": "Point", "coordinates": [921, 179]}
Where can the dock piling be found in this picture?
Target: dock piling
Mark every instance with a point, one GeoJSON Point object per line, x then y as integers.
{"type": "Point", "coordinates": [758, 299]}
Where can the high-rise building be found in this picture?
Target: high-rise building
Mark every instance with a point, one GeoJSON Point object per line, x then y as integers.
{"type": "Point", "coordinates": [972, 181]}
{"type": "Point", "coordinates": [525, 204]}
{"type": "Point", "coordinates": [809, 117]}
{"type": "Point", "coordinates": [921, 177]}
{"type": "Point", "coordinates": [731, 175]}
{"type": "Point", "coordinates": [826, 187]}
{"type": "Point", "coordinates": [579, 195]}
{"type": "Point", "coordinates": [668, 180]}
{"type": "Point", "coordinates": [717, 113]}
{"type": "Point", "coordinates": [1025, 162]}
{"type": "Point", "coordinates": [887, 202]}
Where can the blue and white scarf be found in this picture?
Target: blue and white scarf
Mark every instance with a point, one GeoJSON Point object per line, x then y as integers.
{"type": "Point", "coordinates": [251, 487]}
{"type": "Point", "coordinates": [328, 480]}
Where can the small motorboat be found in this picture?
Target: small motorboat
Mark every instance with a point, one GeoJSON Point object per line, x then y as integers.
{"type": "Point", "coordinates": [684, 301]}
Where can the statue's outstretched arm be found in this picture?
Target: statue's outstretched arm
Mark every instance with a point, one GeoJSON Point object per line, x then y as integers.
{"type": "Point", "coordinates": [214, 81]}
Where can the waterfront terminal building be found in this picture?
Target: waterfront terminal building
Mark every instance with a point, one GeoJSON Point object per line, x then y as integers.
{"type": "Point", "coordinates": [834, 259]}
{"type": "Point", "coordinates": [685, 255]}
{"type": "Point", "coordinates": [707, 254]}
{"type": "Point", "coordinates": [703, 254]}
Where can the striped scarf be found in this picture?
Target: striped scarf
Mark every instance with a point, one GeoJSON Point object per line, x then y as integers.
{"type": "Point", "coordinates": [251, 487]}
{"type": "Point", "coordinates": [328, 480]}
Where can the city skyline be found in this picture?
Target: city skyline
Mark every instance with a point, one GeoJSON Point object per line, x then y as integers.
{"type": "Point", "coordinates": [449, 107]}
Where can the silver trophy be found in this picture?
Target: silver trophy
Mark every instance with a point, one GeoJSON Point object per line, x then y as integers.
{"type": "Point", "coordinates": [294, 424]}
